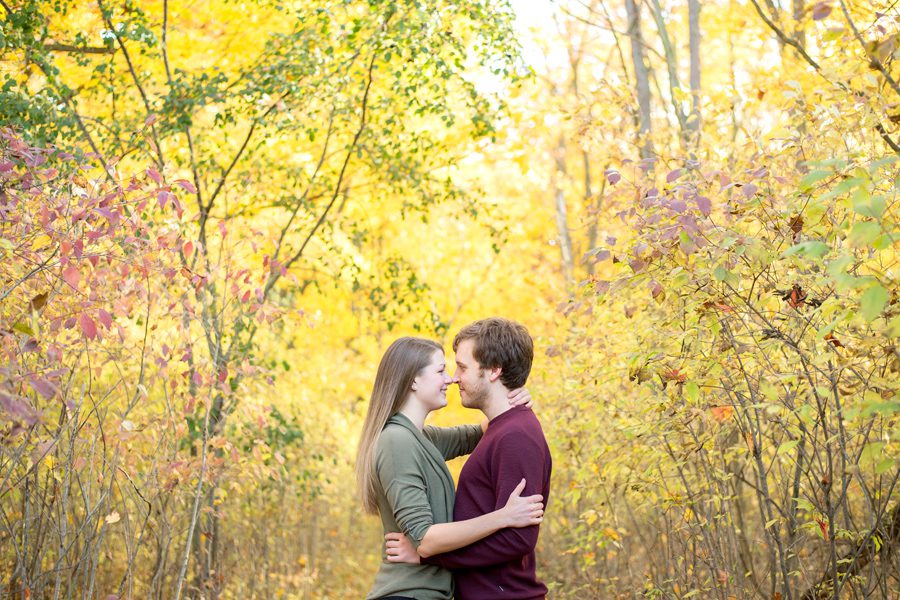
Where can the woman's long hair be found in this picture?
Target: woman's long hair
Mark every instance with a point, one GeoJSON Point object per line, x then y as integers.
{"type": "Point", "coordinates": [402, 361]}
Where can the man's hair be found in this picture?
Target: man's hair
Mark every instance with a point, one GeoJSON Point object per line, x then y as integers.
{"type": "Point", "coordinates": [499, 342]}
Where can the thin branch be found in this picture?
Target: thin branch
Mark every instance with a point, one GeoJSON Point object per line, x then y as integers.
{"type": "Point", "coordinates": [164, 50]}
{"type": "Point", "coordinates": [337, 186]}
{"type": "Point", "coordinates": [784, 38]}
{"type": "Point", "coordinates": [137, 82]}
{"type": "Point", "coordinates": [874, 59]}
{"type": "Point", "coordinates": [78, 49]}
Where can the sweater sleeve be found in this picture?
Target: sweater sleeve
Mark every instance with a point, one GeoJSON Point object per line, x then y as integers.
{"type": "Point", "coordinates": [454, 441]}
{"type": "Point", "coordinates": [397, 465]}
{"type": "Point", "coordinates": [511, 461]}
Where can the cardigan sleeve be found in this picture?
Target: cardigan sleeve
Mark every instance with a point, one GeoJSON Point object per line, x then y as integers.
{"type": "Point", "coordinates": [398, 465]}
{"type": "Point", "coordinates": [454, 441]}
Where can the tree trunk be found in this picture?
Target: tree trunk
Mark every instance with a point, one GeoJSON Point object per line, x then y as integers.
{"type": "Point", "coordinates": [562, 219]}
{"type": "Point", "coordinates": [693, 122]}
{"type": "Point", "coordinates": [799, 33]}
{"type": "Point", "coordinates": [642, 80]}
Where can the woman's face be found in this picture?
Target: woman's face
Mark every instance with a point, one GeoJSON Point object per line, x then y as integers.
{"type": "Point", "coordinates": [432, 381]}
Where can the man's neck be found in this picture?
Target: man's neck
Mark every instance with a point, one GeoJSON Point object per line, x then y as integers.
{"type": "Point", "coordinates": [496, 404]}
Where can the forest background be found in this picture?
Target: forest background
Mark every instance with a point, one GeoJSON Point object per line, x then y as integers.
{"type": "Point", "coordinates": [216, 215]}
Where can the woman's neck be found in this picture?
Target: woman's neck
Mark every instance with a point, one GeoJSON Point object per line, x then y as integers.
{"type": "Point", "coordinates": [413, 410]}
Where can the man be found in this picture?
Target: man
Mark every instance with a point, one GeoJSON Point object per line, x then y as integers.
{"type": "Point", "coordinates": [494, 356]}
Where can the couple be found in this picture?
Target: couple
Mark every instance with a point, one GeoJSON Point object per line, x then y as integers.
{"type": "Point", "coordinates": [488, 536]}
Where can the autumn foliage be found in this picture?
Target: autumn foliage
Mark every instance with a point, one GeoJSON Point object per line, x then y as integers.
{"type": "Point", "coordinates": [215, 216]}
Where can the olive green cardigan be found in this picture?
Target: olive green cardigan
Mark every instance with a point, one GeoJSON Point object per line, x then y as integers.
{"type": "Point", "coordinates": [414, 491]}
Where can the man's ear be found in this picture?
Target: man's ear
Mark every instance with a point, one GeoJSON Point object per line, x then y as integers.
{"type": "Point", "coordinates": [494, 374]}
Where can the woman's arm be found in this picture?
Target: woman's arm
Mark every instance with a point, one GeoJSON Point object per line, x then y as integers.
{"type": "Point", "coordinates": [518, 512]}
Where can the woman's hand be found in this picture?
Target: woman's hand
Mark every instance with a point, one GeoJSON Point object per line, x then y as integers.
{"type": "Point", "coordinates": [398, 549]}
{"type": "Point", "coordinates": [520, 396]}
{"type": "Point", "coordinates": [523, 512]}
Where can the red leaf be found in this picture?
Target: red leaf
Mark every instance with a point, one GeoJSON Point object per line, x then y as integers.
{"type": "Point", "coordinates": [823, 527]}
{"type": "Point", "coordinates": [154, 175]}
{"type": "Point", "coordinates": [72, 275]}
{"type": "Point", "coordinates": [88, 327]}
{"type": "Point", "coordinates": [105, 318]}
{"type": "Point", "coordinates": [150, 120]}
{"type": "Point", "coordinates": [188, 249]}
{"type": "Point", "coordinates": [187, 185]}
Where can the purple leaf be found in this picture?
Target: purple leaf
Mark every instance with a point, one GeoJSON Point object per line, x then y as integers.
{"type": "Point", "coordinates": [704, 204]}
{"type": "Point", "coordinates": [613, 176]}
{"type": "Point", "coordinates": [637, 265]}
{"type": "Point", "coordinates": [42, 387]}
{"type": "Point", "coordinates": [20, 410]}
{"type": "Point", "coordinates": [820, 10]}
{"type": "Point", "coordinates": [678, 206]}
{"type": "Point", "coordinates": [749, 190]}
{"type": "Point", "coordinates": [673, 175]}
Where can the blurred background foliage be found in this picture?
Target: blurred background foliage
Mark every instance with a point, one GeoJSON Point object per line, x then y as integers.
{"type": "Point", "coordinates": [216, 215]}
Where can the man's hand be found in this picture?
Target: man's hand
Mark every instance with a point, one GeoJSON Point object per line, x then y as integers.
{"type": "Point", "coordinates": [399, 549]}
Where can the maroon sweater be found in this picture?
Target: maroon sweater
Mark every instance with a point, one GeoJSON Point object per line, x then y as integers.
{"type": "Point", "coordinates": [502, 565]}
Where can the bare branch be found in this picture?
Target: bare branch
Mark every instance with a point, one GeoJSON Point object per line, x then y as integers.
{"type": "Point", "coordinates": [874, 59]}
{"type": "Point", "coordinates": [78, 49]}
{"type": "Point", "coordinates": [783, 36]}
{"type": "Point", "coordinates": [137, 81]}
{"type": "Point", "coordinates": [337, 186]}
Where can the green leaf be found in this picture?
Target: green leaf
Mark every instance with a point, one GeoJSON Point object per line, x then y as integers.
{"type": "Point", "coordinates": [872, 302]}
{"type": "Point", "coordinates": [692, 391]}
{"type": "Point", "coordinates": [870, 207]}
{"type": "Point", "coordinates": [841, 189]}
{"type": "Point", "coordinates": [871, 452]}
{"type": "Point", "coordinates": [804, 504]}
{"type": "Point", "coordinates": [884, 466]}
{"type": "Point", "coordinates": [839, 265]}
{"type": "Point", "coordinates": [885, 241]}
{"type": "Point", "coordinates": [787, 446]}
{"type": "Point", "coordinates": [863, 233]}
{"type": "Point", "coordinates": [813, 177]}
{"type": "Point", "coordinates": [720, 273]}
{"type": "Point", "coordinates": [23, 328]}
{"type": "Point", "coordinates": [811, 249]}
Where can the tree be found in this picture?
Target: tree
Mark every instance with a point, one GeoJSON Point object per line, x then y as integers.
{"type": "Point", "coordinates": [280, 145]}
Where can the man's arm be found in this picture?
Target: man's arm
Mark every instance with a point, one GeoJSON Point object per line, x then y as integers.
{"type": "Point", "coordinates": [512, 461]}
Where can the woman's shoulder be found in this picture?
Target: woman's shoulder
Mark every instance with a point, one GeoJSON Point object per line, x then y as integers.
{"type": "Point", "coordinates": [395, 433]}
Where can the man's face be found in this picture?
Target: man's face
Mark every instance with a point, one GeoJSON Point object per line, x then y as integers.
{"type": "Point", "coordinates": [471, 378]}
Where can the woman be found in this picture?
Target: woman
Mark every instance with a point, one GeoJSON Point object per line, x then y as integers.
{"type": "Point", "coordinates": [402, 475]}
